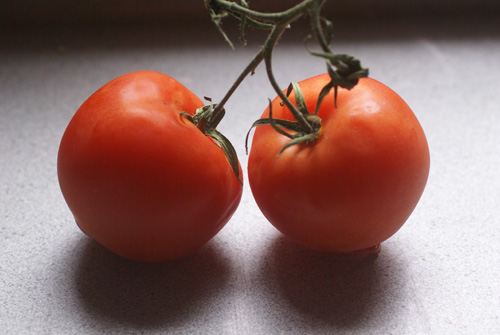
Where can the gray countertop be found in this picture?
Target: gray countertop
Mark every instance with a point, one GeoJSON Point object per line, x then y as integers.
{"type": "Point", "coordinates": [439, 274]}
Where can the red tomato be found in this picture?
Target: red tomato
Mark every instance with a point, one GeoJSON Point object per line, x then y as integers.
{"type": "Point", "coordinates": [353, 187]}
{"type": "Point", "coordinates": [139, 178]}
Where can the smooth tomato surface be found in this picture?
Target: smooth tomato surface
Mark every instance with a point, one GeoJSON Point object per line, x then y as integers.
{"type": "Point", "coordinates": [140, 179]}
{"type": "Point", "coordinates": [357, 184]}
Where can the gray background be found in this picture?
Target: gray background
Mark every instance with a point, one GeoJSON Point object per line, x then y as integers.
{"type": "Point", "coordinates": [438, 275]}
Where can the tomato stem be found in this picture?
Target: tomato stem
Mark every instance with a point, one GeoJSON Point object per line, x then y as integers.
{"type": "Point", "coordinates": [273, 39]}
{"type": "Point", "coordinates": [344, 70]}
{"type": "Point", "coordinates": [280, 20]}
{"type": "Point", "coordinates": [318, 30]}
{"type": "Point", "coordinates": [219, 7]}
{"type": "Point", "coordinates": [250, 68]}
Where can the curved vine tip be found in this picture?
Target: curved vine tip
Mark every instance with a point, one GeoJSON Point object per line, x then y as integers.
{"type": "Point", "coordinates": [220, 9]}
{"type": "Point", "coordinates": [217, 17]}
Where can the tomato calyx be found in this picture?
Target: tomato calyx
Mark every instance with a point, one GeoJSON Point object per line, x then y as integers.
{"type": "Point", "coordinates": [206, 119]}
{"type": "Point", "coordinates": [306, 128]}
{"type": "Point", "coordinates": [344, 70]}
{"type": "Point", "coordinates": [346, 75]}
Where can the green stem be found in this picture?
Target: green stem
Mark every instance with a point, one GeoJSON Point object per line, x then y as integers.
{"type": "Point", "coordinates": [307, 126]}
{"type": "Point", "coordinates": [316, 25]}
{"type": "Point", "coordinates": [276, 18]}
{"type": "Point", "coordinates": [268, 47]}
{"type": "Point", "coordinates": [281, 22]}
{"type": "Point", "coordinates": [249, 69]}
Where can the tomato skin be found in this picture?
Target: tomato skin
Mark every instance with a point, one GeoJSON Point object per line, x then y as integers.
{"type": "Point", "coordinates": [357, 184]}
{"type": "Point", "coordinates": [141, 179]}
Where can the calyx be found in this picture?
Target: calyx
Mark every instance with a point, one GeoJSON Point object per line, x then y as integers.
{"type": "Point", "coordinates": [206, 120]}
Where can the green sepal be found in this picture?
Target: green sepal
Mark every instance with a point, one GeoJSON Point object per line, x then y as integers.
{"type": "Point", "coordinates": [206, 119]}
{"type": "Point", "coordinates": [308, 138]}
{"type": "Point", "coordinates": [300, 135]}
{"type": "Point", "coordinates": [287, 124]}
{"type": "Point", "coordinates": [228, 149]}
{"type": "Point", "coordinates": [300, 112]}
{"type": "Point", "coordinates": [277, 124]}
{"type": "Point", "coordinates": [187, 116]}
{"type": "Point", "coordinates": [349, 69]}
{"type": "Point", "coordinates": [299, 99]}
{"type": "Point", "coordinates": [324, 92]}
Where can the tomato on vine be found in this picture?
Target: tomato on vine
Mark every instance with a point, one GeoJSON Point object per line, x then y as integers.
{"type": "Point", "coordinates": [351, 181]}
{"type": "Point", "coordinates": [338, 161]}
{"type": "Point", "coordinates": [144, 171]}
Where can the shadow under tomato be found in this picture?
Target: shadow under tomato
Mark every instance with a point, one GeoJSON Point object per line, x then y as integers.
{"type": "Point", "coordinates": [149, 295]}
{"type": "Point", "coordinates": [341, 291]}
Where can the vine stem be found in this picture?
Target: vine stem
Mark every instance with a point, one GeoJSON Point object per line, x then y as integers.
{"type": "Point", "coordinates": [250, 68]}
{"type": "Point", "coordinates": [273, 39]}
{"type": "Point", "coordinates": [277, 18]}
{"type": "Point", "coordinates": [280, 21]}
{"type": "Point", "coordinates": [307, 126]}
{"type": "Point", "coordinates": [316, 25]}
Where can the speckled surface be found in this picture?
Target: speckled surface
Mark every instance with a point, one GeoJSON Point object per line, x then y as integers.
{"type": "Point", "coordinates": [439, 274]}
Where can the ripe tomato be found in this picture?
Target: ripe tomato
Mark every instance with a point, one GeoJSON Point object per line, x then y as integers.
{"type": "Point", "coordinates": [354, 186]}
{"type": "Point", "coordinates": [141, 179]}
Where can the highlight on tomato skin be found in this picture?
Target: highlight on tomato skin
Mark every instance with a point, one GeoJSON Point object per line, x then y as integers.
{"type": "Point", "coordinates": [139, 178]}
{"type": "Point", "coordinates": [357, 184]}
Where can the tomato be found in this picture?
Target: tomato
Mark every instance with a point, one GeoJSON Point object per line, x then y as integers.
{"type": "Point", "coordinates": [141, 179]}
{"type": "Point", "coordinates": [353, 187]}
